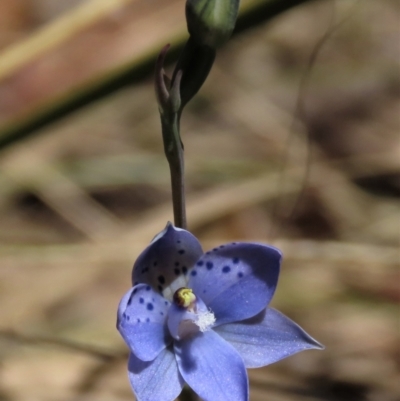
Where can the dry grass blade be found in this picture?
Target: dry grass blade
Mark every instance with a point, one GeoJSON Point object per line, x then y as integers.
{"type": "Point", "coordinates": [27, 169]}
{"type": "Point", "coordinates": [106, 355]}
{"type": "Point", "coordinates": [138, 34]}
{"type": "Point", "coordinates": [56, 33]}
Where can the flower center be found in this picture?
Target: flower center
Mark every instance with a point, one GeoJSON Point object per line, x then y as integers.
{"type": "Point", "coordinates": [185, 298]}
{"type": "Point", "coordinates": [200, 315]}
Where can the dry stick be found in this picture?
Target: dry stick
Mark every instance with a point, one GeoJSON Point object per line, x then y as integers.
{"type": "Point", "coordinates": [299, 114]}
{"type": "Point", "coordinates": [106, 359]}
{"type": "Point", "coordinates": [56, 33]}
{"type": "Point", "coordinates": [28, 169]}
{"type": "Point", "coordinates": [262, 118]}
{"type": "Point", "coordinates": [102, 354]}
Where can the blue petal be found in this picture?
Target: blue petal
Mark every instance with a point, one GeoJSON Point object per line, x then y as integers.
{"type": "Point", "coordinates": [158, 380]}
{"type": "Point", "coordinates": [266, 338]}
{"type": "Point", "coordinates": [212, 368]}
{"type": "Point", "coordinates": [236, 281]}
{"type": "Point", "coordinates": [164, 264]}
{"type": "Point", "coordinates": [142, 322]}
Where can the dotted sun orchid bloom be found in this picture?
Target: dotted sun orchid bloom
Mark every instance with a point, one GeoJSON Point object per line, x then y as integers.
{"type": "Point", "coordinates": [203, 318]}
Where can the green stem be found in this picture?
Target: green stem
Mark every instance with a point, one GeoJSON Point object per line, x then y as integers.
{"type": "Point", "coordinates": [188, 395]}
{"type": "Point", "coordinates": [174, 152]}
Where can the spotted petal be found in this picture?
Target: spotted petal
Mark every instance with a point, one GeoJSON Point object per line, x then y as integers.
{"type": "Point", "coordinates": [212, 367]}
{"type": "Point", "coordinates": [267, 338]}
{"type": "Point", "coordinates": [236, 281]}
{"type": "Point", "coordinates": [157, 380]}
{"type": "Point", "coordinates": [166, 261]}
{"type": "Point", "coordinates": [142, 317]}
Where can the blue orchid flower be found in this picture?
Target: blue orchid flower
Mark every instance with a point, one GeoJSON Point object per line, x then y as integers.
{"type": "Point", "coordinates": [203, 318]}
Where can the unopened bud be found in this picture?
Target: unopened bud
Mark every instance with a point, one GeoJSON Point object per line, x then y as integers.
{"type": "Point", "coordinates": [211, 22]}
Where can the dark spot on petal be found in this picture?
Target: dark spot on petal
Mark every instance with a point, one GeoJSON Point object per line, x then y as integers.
{"type": "Point", "coordinates": [193, 273]}
{"type": "Point", "coordinates": [148, 288]}
{"type": "Point", "coordinates": [204, 291]}
{"type": "Point", "coordinates": [178, 242]}
{"type": "Point", "coordinates": [176, 263]}
{"type": "Point", "coordinates": [240, 274]}
{"type": "Point", "coordinates": [222, 246]}
{"type": "Point", "coordinates": [177, 272]}
{"type": "Point", "coordinates": [166, 302]}
{"type": "Point", "coordinates": [150, 306]}
{"type": "Point", "coordinates": [161, 279]}
{"type": "Point", "coordinates": [215, 250]}
{"type": "Point", "coordinates": [134, 291]}
{"type": "Point", "coordinates": [128, 317]}
{"type": "Point", "coordinates": [226, 269]}
{"type": "Point", "coordinates": [124, 315]}
{"type": "Point", "coordinates": [209, 265]}
{"type": "Point", "coordinates": [200, 263]}
{"type": "Point", "coordinates": [138, 320]}
{"type": "Point", "coordinates": [184, 269]}
{"type": "Point", "coordinates": [236, 260]}
{"type": "Point", "coordinates": [148, 320]}
{"type": "Point", "coordinates": [233, 243]}
{"type": "Point", "coordinates": [181, 251]}
{"type": "Point", "coordinates": [162, 313]}
{"type": "Point", "coordinates": [141, 300]}
{"type": "Point", "coordinates": [130, 300]}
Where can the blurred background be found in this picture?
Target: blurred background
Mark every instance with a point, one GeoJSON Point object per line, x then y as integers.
{"type": "Point", "coordinates": [293, 140]}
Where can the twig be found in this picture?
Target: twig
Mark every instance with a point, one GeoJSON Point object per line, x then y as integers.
{"type": "Point", "coordinates": [62, 343]}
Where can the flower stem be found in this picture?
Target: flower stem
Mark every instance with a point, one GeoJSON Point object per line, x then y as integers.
{"type": "Point", "coordinates": [169, 104]}
{"type": "Point", "coordinates": [188, 395]}
{"type": "Point", "coordinates": [174, 152]}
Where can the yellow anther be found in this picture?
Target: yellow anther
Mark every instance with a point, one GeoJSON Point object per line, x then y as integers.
{"type": "Point", "coordinates": [184, 297]}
